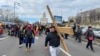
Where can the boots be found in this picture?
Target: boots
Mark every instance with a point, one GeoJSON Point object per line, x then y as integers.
{"type": "Point", "coordinates": [27, 49]}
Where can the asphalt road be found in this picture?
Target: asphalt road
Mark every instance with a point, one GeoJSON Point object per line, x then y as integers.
{"type": "Point", "coordinates": [78, 49]}
{"type": "Point", "coordinates": [9, 47]}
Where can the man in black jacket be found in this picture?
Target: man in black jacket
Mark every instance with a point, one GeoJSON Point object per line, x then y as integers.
{"type": "Point", "coordinates": [54, 41]}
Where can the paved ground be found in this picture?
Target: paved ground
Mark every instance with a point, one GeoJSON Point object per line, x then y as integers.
{"type": "Point", "coordinates": [9, 47]}
{"type": "Point", "coordinates": [78, 49]}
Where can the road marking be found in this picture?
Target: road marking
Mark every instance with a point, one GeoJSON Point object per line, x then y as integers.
{"type": "Point", "coordinates": [3, 38]}
{"type": "Point", "coordinates": [65, 52]}
{"type": "Point", "coordinates": [4, 55]}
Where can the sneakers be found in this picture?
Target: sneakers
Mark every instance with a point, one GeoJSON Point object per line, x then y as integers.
{"type": "Point", "coordinates": [20, 46]}
{"type": "Point", "coordinates": [93, 51]}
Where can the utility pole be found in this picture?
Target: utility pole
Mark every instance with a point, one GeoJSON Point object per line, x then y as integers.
{"type": "Point", "coordinates": [61, 15]}
{"type": "Point", "coordinates": [81, 20]}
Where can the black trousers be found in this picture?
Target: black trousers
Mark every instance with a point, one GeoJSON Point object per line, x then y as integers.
{"type": "Point", "coordinates": [20, 40]}
{"type": "Point", "coordinates": [89, 43]}
{"type": "Point", "coordinates": [46, 32]}
{"type": "Point", "coordinates": [16, 32]}
{"type": "Point", "coordinates": [78, 37]}
{"type": "Point", "coordinates": [28, 43]}
{"type": "Point", "coordinates": [66, 36]}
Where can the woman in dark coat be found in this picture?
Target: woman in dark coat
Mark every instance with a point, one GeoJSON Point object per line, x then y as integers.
{"type": "Point", "coordinates": [90, 37]}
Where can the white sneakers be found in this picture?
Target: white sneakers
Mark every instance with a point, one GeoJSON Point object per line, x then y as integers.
{"type": "Point", "coordinates": [20, 46]}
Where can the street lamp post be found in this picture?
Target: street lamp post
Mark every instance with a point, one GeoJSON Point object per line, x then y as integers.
{"type": "Point", "coordinates": [15, 9]}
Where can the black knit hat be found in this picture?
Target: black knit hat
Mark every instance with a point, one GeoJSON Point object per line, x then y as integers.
{"type": "Point", "coordinates": [90, 27]}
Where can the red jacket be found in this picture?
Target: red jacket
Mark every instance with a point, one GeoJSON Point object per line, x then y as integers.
{"type": "Point", "coordinates": [1, 31]}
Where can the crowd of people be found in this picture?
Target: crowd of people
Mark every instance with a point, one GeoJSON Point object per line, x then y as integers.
{"type": "Point", "coordinates": [1, 30]}
{"type": "Point", "coordinates": [27, 33]}
{"type": "Point", "coordinates": [54, 40]}
{"type": "Point", "coordinates": [89, 35]}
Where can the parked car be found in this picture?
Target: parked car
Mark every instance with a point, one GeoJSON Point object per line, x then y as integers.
{"type": "Point", "coordinates": [84, 30]}
{"type": "Point", "coordinates": [95, 30]}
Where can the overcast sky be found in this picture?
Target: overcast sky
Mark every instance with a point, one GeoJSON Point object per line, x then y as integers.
{"type": "Point", "coordinates": [66, 8]}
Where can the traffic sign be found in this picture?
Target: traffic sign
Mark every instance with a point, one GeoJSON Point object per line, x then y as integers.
{"type": "Point", "coordinates": [58, 19]}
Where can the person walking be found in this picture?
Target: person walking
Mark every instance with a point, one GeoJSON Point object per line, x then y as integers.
{"type": "Point", "coordinates": [20, 36]}
{"type": "Point", "coordinates": [47, 29]}
{"type": "Point", "coordinates": [17, 27]}
{"type": "Point", "coordinates": [74, 27]}
{"type": "Point", "coordinates": [78, 33]}
{"type": "Point", "coordinates": [40, 30]}
{"type": "Point", "coordinates": [90, 37]}
{"type": "Point", "coordinates": [54, 41]}
{"type": "Point", "coordinates": [9, 29]}
{"type": "Point", "coordinates": [36, 30]}
{"type": "Point", "coordinates": [29, 35]}
{"type": "Point", "coordinates": [1, 32]}
{"type": "Point", "coordinates": [66, 36]}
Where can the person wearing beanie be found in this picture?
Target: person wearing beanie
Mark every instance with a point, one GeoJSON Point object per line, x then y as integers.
{"type": "Point", "coordinates": [90, 37]}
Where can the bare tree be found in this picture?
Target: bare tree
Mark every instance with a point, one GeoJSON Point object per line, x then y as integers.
{"type": "Point", "coordinates": [17, 20]}
{"type": "Point", "coordinates": [92, 16]}
{"type": "Point", "coordinates": [78, 19]}
{"type": "Point", "coordinates": [98, 15]}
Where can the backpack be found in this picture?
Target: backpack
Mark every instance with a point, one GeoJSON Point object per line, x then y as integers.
{"type": "Point", "coordinates": [90, 35]}
{"type": "Point", "coordinates": [29, 33]}
{"type": "Point", "coordinates": [91, 38]}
